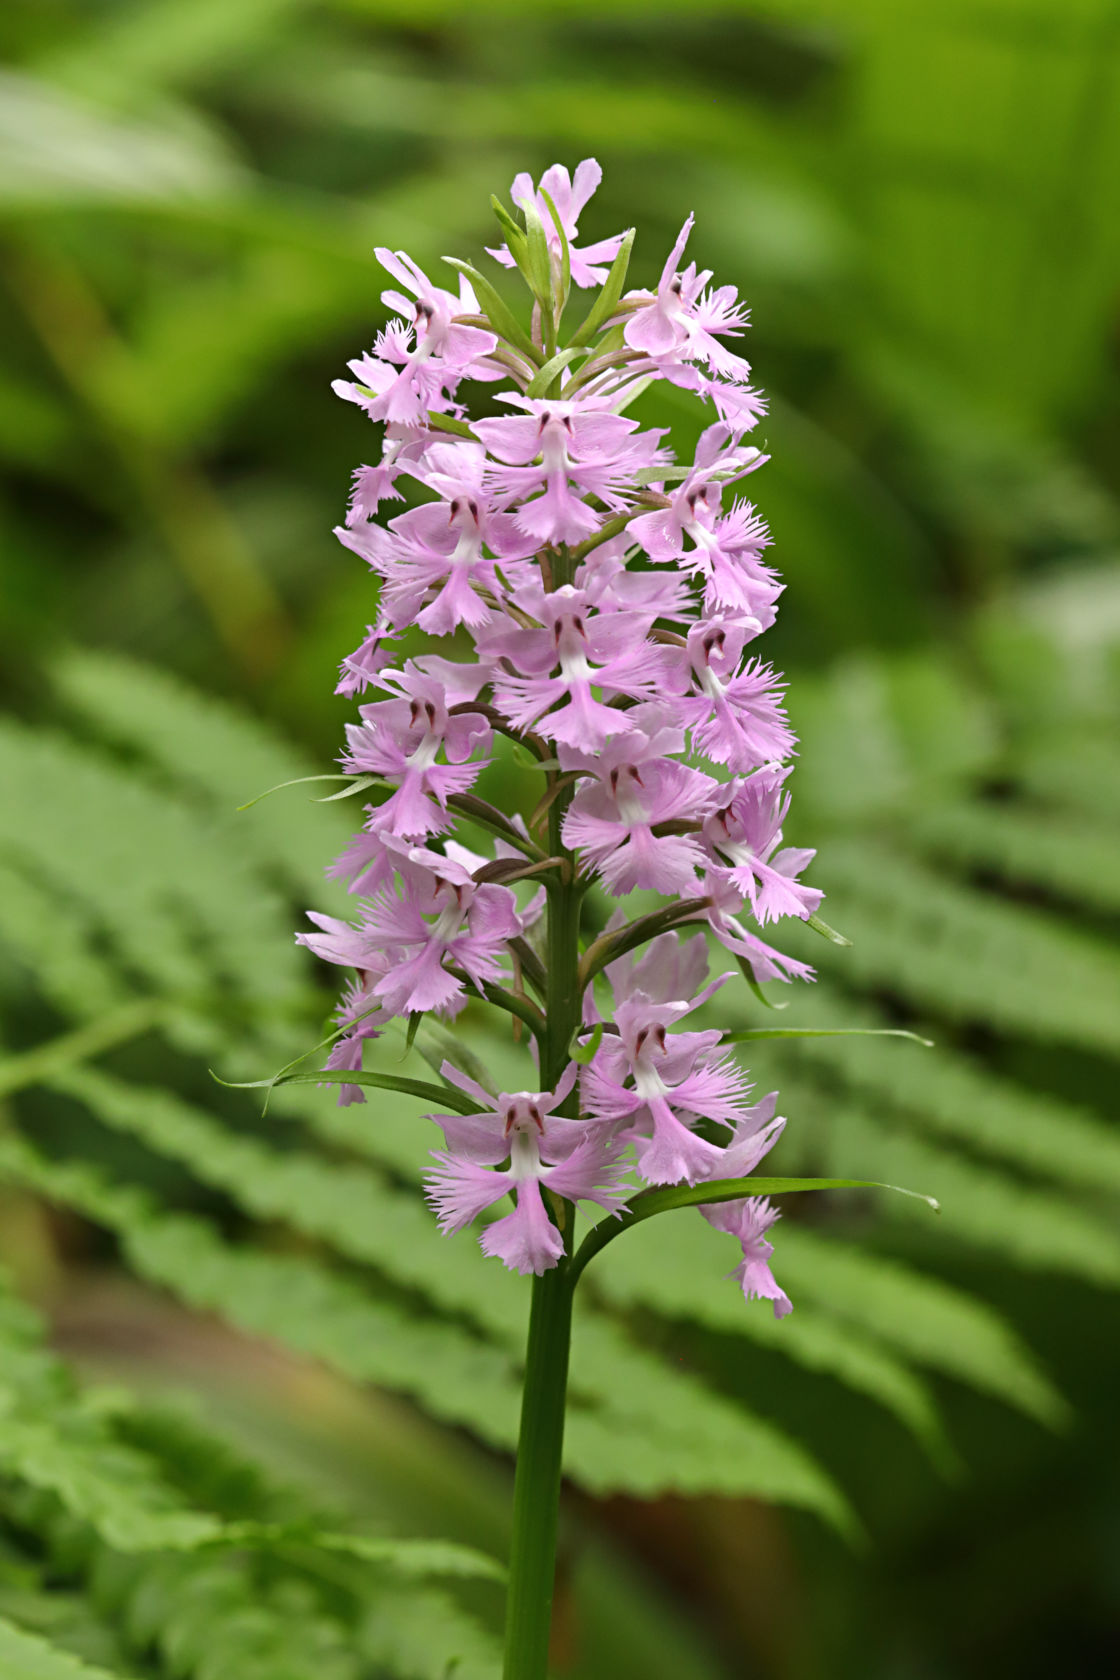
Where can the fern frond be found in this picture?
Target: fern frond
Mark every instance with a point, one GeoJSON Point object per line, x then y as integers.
{"type": "Point", "coordinates": [1078, 776]}
{"type": "Point", "coordinates": [457, 1378]}
{"type": "Point", "coordinates": [673, 1271]}
{"type": "Point", "coordinates": [24, 1656]}
{"type": "Point", "coordinates": [427, 1636]}
{"type": "Point", "coordinates": [354, 1210]}
{"type": "Point", "coordinates": [670, 1432]}
{"type": "Point", "coordinates": [211, 752]}
{"type": "Point", "coordinates": [136, 843]}
{"type": "Point", "coordinates": [963, 954]}
{"type": "Point", "coordinates": [955, 1097]}
{"type": "Point", "coordinates": [222, 1618]}
{"type": "Point", "coordinates": [1075, 858]}
{"type": "Point", "coordinates": [56, 940]}
{"type": "Point", "coordinates": [989, 1209]}
{"type": "Point", "coordinates": [921, 1317]}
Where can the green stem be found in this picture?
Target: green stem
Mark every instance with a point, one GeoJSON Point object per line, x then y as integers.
{"type": "Point", "coordinates": [536, 1494]}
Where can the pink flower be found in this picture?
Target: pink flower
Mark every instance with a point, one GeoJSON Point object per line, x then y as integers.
{"type": "Point", "coordinates": [636, 785]}
{"type": "Point", "coordinates": [756, 1132]}
{"type": "Point", "coordinates": [566, 450]}
{"type": "Point", "coordinates": [516, 1143]}
{"type": "Point", "coordinates": [367, 1018]}
{"type": "Point", "coordinates": [438, 914]}
{"type": "Point", "coordinates": [661, 328]}
{"type": "Point", "coordinates": [669, 970]}
{"type": "Point", "coordinates": [766, 963]}
{"type": "Point", "coordinates": [735, 713]}
{"type": "Point", "coordinates": [364, 666]}
{"type": "Point", "coordinates": [569, 196]}
{"type": "Point", "coordinates": [744, 832]}
{"type": "Point", "coordinates": [402, 740]}
{"type": "Point", "coordinates": [749, 1220]}
{"type": "Point", "coordinates": [547, 675]}
{"type": "Point", "coordinates": [645, 1080]}
{"type": "Point", "coordinates": [684, 322]}
{"type": "Point", "coordinates": [603, 604]}
{"type": "Point", "coordinates": [444, 349]}
{"type": "Point", "coordinates": [439, 559]}
{"type": "Point", "coordinates": [694, 504]}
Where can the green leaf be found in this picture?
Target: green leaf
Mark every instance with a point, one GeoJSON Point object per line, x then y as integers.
{"type": "Point", "coordinates": [297, 781]}
{"type": "Point", "coordinates": [1073, 858]}
{"type": "Point", "coordinates": [955, 949]}
{"type": "Point", "coordinates": [923, 1318]}
{"type": "Point", "coordinates": [539, 384]}
{"type": "Point", "coordinates": [565, 252]}
{"type": "Point", "coordinates": [760, 993]}
{"type": "Point", "coordinates": [743, 1035]}
{"type": "Point", "coordinates": [427, 1636]}
{"type": "Point", "coordinates": [24, 1656]}
{"type": "Point", "coordinates": [605, 303]}
{"type": "Point", "coordinates": [1038, 1229]}
{"type": "Point", "coordinates": [501, 317]}
{"type": "Point", "coordinates": [658, 1427]}
{"type": "Point", "coordinates": [359, 785]}
{"type": "Point", "coordinates": [512, 229]}
{"type": "Point", "coordinates": [457, 1377]}
{"type": "Point", "coordinates": [955, 1097]}
{"type": "Point", "coordinates": [209, 753]}
{"type": "Point", "coordinates": [104, 1484]}
{"type": "Point", "coordinates": [651, 1202]}
{"type": "Point", "coordinates": [585, 1053]}
{"type": "Point", "coordinates": [445, 1096]}
{"type": "Point", "coordinates": [411, 1559]}
{"type": "Point", "coordinates": [822, 927]}
{"type": "Point", "coordinates": [537, 266]}
{"type": "Point", "coordinates": [671, 1269]}
{"type": "Point", "coordinates": [450, 423]}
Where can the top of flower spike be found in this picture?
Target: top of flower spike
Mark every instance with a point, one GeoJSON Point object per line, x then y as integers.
{"type": "Point", "coordinates": [568, 197]}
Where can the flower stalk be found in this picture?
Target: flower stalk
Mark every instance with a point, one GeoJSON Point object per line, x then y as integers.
{"type": "Point", "coordinates": [611, 596]}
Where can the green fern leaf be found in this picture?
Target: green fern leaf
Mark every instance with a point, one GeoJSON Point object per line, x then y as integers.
{"type": "Point", "coordinates": [213, 753]}
{"type": "Point", "coordinates": [1074, 858]}
{"type": "Point", "coordinates": [24, 1656]}
{"type": "Point", "coordinates": [427, 1636]}
{"type": "Point", "coordinates": [670, 1432]}
{"type": "Point", "coordinates": [135, 841]}
{"type": "Point", "coordinates": [954, 1097]}
{"type": "Point", "coordinates": [457, 1378]}
{"type": "Point", "coordinates": [919, 1316]}
{"type": "Point", "coordinates": [962, 953]}
{"type": "Point", "coordinates": [676, 1270]}
{"type": "Point", "coordinates": [1037, 1229]}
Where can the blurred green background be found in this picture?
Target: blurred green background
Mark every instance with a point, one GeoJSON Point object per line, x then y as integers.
{"type": "Point", "coordinates": [921, 203]}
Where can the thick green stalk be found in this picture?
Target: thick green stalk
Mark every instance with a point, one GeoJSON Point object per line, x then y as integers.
{"type": "Point", "coordinates": [536, 1495]}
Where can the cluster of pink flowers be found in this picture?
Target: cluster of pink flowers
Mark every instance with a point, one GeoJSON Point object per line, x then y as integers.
{"type": "Point", "coordinates": [610, 599]}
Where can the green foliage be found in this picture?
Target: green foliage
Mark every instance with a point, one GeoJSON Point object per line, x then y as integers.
{"type": "Point", "coordinates": [448, 1332]}
{"type": "Point", "coordinates": [190, 190]}
{"type": "Point", "coordinates": [27, 1658]}
{"type": "Point", "coordinates": [234, 1585]}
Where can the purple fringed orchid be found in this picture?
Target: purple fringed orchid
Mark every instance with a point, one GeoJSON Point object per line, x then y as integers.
{"type": "Point", "coordinates": [587, 595]}
{"type": "Point", "coordinates": [569, 196]}
{"type": "Point", "coordinates": [749, 1220]}
{"type": "Point", "coordinates": [517, 1143]}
